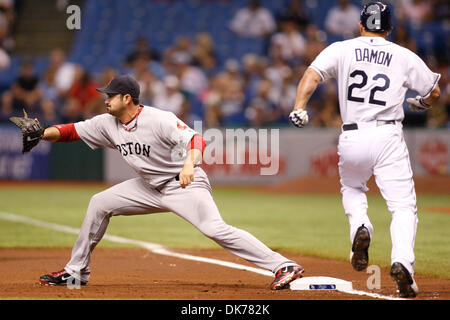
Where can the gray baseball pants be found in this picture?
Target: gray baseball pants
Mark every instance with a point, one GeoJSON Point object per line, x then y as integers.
{"type": "Point", "coordinates": [194, 204]}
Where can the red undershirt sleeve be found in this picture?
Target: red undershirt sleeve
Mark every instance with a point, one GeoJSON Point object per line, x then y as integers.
{"type": "Point", "coordinates": [68, 133]}
{"type": "Point", "coordinates": [197, 142]}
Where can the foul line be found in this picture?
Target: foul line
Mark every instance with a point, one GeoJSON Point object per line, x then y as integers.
{"type": "Point", "coordinates": [159, 249]}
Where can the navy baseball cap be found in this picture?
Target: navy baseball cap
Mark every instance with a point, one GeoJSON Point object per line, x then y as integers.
{"type": "Point", "coordinates": [122, 85]}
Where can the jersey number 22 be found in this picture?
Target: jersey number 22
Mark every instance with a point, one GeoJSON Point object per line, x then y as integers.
{"type": "Point", "coordinates": [363, 83]}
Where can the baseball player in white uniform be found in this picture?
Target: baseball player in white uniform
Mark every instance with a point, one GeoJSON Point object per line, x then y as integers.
{"type": "Point", "coordinates": [373, 75]}
{"type": "Point", "coordinates": [165, 153]}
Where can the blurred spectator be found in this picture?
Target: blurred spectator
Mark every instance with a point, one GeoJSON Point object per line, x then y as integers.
{"type": "Point", "coordinates": [260, 89]}
{"type": "Point", "coordinates": [64, 71]}
{"type": "Point", "coordinates": [342, 20]}
{"type": "Point", "coordinates": [290, 41]}
{"type": "Point", "coordinates": [231, 72]}
{"type": "Point", "coordinates": [212, 110]}
{"type": "Point", "coordinates": [192, 79]}
{"type": "Point", "coordinates": [232, 105]}
{"type": "Point", "coordinates": [295, 12]}
{"type": "Point", "coordinates": [278, 68]}
{"type": "Point", "coordinates": [286, 97]}
{"type": "Point", "coordinates": [416, 11]}
{"type": "Point", "coordinates": [251, 74]}
{"type": "Point", "coordinates": [401, 36]}
{"type": "Point", "coordinates": [25, 90]}
{"type": "Point", "coordinates": [144, 77]}
{"type": "Point", "coordinates": [253, 21]}
{"type": "Point", "coordinates": [84, 101]}
{"type": "Point", "coordinates": [5, 60]}
{"type": "Point", "coordinates": [440, 11]}
{"type": "Point", "coordinates": [24, 94]}
{"type": "Point", "coordinates": [51, 101]}
{"type": "Point", "coordinates": [106, 76]}
{"type": "Point", "coordinates": [47, 86]}
{"type": "Point", "coordinates": [7, 17]}
{"type": "Point", "coordinates": [62, 5]}
{"type": "Point", "coordinates": [182, 44]}
{"type": "Point", "coordinates": [169, 97]}
{"type": "Point", "coordinates": [328, 115]}
{"type": "Point", "coordinates": [315, 43]}
{"type": "Point", "coordinates": [262, 110]}
{"type": "Point", "coordinates": [204, 53]}
{"type": "Point", "coordinates": [142, 50]}
{"type": "Point", "coordinates": [439, 115]}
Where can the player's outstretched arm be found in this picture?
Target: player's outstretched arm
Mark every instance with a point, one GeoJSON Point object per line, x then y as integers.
{"type": "Point", "coordinates": [51, 134]}
{"type": "Point", "coordinates": [61, 133]}
{"type": "Point", "coordinates": [306, 87]}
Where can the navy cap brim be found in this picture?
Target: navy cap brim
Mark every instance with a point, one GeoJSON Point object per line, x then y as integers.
{"type": "Point", "coordinates": [106, 90]}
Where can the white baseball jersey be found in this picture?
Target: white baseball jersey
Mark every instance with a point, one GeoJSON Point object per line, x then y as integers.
{"type": "Point", "coordinates": [373, 76]}
{"type": "Point", "coordinates": [153, 144]}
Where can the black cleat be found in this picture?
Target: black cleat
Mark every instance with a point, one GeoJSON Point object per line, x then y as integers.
{"type": "Point", "coordinates": [60, 278]}
{"type": "Point", "coordinates": [360, 249]}
{"type": "Point", "coordinates": [407, 287]}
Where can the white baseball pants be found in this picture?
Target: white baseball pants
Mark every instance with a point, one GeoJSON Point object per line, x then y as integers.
{"type": "Point", "coordinates": [194, 204]}
{"type": "Point", "coordinates": [381, 151]}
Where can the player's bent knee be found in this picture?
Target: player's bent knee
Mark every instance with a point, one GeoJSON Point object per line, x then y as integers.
{"type": "Point", "coordinates": [98, 204]}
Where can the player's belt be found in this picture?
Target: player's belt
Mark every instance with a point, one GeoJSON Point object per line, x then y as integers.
{"type": "Point", "coordinates": [354, 126]}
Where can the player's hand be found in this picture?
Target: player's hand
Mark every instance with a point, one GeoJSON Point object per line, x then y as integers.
{"type": "Point", "coordinates": [299, 118]}
{"type": "Point", "coordinates": [417, 104]}
{"type": "Point", "coordinates": [186, 175]}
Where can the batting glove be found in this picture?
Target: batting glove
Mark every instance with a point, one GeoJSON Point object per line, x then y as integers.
{"type": "Point", "coordinates": [299, 118]}
{"type": "Point", "coordinates": [417, 104]}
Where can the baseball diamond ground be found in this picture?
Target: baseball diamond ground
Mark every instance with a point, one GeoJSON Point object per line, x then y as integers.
{"type": "Point", "coordinates": [139, 274]}
{"type": "Point", "coordinates": [120, 272]}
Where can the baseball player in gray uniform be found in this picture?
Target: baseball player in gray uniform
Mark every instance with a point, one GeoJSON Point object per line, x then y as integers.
{"type": "Point", "coordinates": [166, 154]}
{"type": "Point", "coordinates": [373, 75]}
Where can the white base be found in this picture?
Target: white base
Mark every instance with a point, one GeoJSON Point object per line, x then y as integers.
{"type": "Point", "coordinates": [320, 283]}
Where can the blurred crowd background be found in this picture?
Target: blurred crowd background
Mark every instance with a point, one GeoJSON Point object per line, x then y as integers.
{"type": "Point", "coordinates": [228, 63]}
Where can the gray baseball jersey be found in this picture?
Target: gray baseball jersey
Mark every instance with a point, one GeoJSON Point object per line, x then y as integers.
{"type": "Point", "coordinates": [153, 143]}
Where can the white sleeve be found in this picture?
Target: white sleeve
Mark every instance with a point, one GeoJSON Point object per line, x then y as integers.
{"type": "Point", "coordinates": [327, 62]}
{"type": "Point", "coordinates": [269, 21]}
{"type": "Point", "coordinates": [239, 21]}
{"type": "Point", "coordinates": [331, 23]}
{"type": "Point", "coordinates": [175, 132]}
{"type": "Point", "coordinates": [93, 131]}
{"type": "Point", "coordinates": [419, 77]}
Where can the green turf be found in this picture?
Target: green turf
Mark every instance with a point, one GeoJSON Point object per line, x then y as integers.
{"type": "Point", "coordinates": [306, 224]}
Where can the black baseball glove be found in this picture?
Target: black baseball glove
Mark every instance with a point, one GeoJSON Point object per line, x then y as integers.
{"type": "Point", "coordinates": [32, 131]}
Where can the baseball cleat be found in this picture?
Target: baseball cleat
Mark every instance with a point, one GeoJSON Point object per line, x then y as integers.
{"type": "Point", "coordinates": [359, 256]}
{"type": "Point", "coordinates": [59, 278]}
{"type": "Point", "coordinates": [286, 275]}
{"type": "Point", "coordinates": [407, 287]}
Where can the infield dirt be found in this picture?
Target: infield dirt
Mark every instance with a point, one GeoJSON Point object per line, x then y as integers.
{"type": "Point", "coordinates": [140, 274]}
